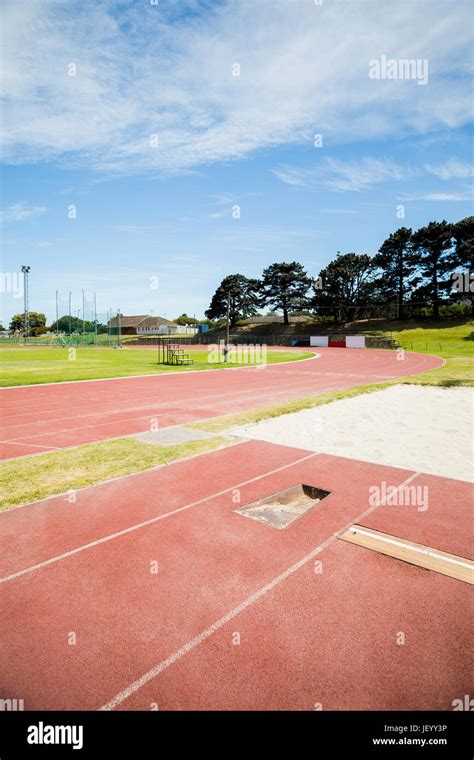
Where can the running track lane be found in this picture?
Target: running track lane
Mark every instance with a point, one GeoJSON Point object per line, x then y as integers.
{"type": "Point", "coordinates": [42, 418]}
{"type": "Point", "coordinates": [306, 637]}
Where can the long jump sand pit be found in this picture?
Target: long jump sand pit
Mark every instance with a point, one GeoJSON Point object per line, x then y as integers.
{"type": "Point", "coordinates": [426, 429]}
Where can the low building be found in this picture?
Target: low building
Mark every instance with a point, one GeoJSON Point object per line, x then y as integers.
{"type": "Point", "coordinates": [145, 324]}
{"type": "Point", "coordinates": [157, 326]}
{"type": "Point", "coordinates": [128, 325]}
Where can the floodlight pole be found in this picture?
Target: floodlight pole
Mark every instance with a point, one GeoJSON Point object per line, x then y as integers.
{"type": "Point", "coordinates": [57, 314]}
{"type": "Point", "coordinates": [70, 316]}
{"type": "Point", "coordinates": [83, 314]}
{"type": "Point", "coordinates": [26, 320]}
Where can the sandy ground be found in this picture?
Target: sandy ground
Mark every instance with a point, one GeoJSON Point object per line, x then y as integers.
{"type": "Point", "coordinates": [420, 428]}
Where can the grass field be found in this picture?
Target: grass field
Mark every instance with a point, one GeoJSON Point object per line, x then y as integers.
{"type": "Point", "coordinates": [28, 366]}
{"type": "Point", "coordinates": [454, 343]}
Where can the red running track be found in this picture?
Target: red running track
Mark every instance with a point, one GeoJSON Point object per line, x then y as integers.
{"type": "Point", "coordinates": [42, 418]}
{"type": "Point", "coordinates": [86, 624]}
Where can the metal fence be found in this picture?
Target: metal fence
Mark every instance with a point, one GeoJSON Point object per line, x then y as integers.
{"type": "Point", "coordinates": [61, 339]}
{"type": "Point", "coordinates": [244, 339]}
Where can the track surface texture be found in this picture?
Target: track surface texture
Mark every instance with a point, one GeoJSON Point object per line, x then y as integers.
{"type": "Point", "coordinates": [152, 591]}
{"type": "Point", "coordinates": [41, 418]}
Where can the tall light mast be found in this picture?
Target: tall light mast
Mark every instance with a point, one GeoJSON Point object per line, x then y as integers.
{"type": "Point", "coordinates": [25, 271]}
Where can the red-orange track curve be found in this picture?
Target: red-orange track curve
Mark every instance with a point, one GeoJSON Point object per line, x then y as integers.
{"type": "Point", "coordinates": [41, 418]}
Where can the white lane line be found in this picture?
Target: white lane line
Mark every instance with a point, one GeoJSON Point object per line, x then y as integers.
{"type": "Point", "coordinates": [30, 445]}
{"type": "Point", "coordinates": [408, 547]}
{"type": "Point", "coordinates": [124, 410]}
{"type": "Point", "coordinates": [193, 643]}
{"type": "Point", "coordinates": [168, 409]}
{"type": "Point", "coordinates": [151, 521]}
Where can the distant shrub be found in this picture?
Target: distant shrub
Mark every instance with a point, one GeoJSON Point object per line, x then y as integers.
{"type": "Point", "coordinates": [452, 310]}
{"type": "Point", "coordinates": [455, 310]}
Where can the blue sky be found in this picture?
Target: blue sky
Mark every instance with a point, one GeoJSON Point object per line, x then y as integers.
{"type": "Point", "coordinates": [155, 141]}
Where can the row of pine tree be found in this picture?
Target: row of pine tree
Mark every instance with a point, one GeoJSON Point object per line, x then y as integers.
{"type": "Point", "coordinates": [430, 266]}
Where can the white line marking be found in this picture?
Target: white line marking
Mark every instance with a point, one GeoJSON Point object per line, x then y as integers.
{"type": "Point", "coordinates": [30, 445]}
{"type": "Point", "coordinates": [148, 407]}
{"type": "Point", "coordinates": [166, 374]}
{"type": "Point", "coordinates": [151, 521]}
{"type": "Point", "coordinates": [418, 550]}
{"type": "Point", "coordinates": [193, 643]}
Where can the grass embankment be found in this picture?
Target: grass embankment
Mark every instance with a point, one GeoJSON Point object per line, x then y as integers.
{"type": "Point", "coordinates": [454, 343]}
{"type": "Point", "coordinates": [32, 478]}
{"type": "Point", "coordinates": [27, 365]}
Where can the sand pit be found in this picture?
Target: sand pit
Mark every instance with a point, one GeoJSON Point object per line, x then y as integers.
{"type": "Point", "coordinates": [422, 428]}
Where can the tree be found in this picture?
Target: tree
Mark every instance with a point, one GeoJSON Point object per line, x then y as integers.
{"type": "Point", "coordinates": [70, 324]}
{"type": "Point", "coordinates": [240, 293]}
{"type": "Point", "coordinates": [346, 283]}
{"type": "Point", "coordinates": [463, 260]}
{"type": "Point", "coordinates": [463, 233]}
{"type": "Point", "coordinates": [284, 286]}
{"type": "Point", "coordinates": [185, 320]}
{"type": "Point", "coordinates": [397, 262]}
{"type": "Point", "coordinates": [37, 322]}
{"type": "Point", "coordinates": [432, 245]}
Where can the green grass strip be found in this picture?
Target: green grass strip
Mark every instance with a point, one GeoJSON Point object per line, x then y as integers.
{"type": "Point", "coordinates": [31, 478]}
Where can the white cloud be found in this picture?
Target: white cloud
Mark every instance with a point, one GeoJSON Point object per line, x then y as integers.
{"type": "Point", "coordinates": [225, 204]}
{"type": "Point", "coordinates": [220, 214]}
{"type": "Point", "coordinates": [363, 173]}
{"type": "Point", "coordinates": [344, 175]}
{"type": "Point", "coordinates": [223, 200]}
{"type": "Point", "coordinates": [296, 176]}
{"type": "Point", "coordinates": [451, 169]}
{"type": "Point", "coordinates": [166, 70]}
{"type": "Point", "coordinates": [465, 196]}
{"type": "Point", "coordinates": [18, 212]}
